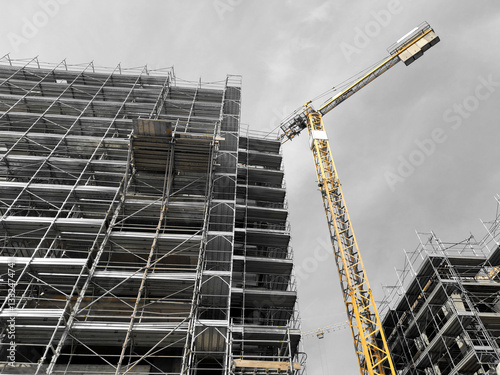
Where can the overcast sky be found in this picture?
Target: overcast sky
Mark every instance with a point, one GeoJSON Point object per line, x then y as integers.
{"type": "Point", "coordinates": [415, 150]}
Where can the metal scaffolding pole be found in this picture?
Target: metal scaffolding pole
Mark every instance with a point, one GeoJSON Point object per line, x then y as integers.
{"type": "Point", "coordinates": [129, 258]}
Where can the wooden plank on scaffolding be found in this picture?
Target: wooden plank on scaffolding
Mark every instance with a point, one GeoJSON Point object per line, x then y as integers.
{"type": "Point", "coordinates": [266, 364]}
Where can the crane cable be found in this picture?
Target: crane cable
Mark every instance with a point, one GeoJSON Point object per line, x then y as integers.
{"type": "Point", "coordinates": [339, 87]}
{"type": "Point", "coordinates": [349, 81]}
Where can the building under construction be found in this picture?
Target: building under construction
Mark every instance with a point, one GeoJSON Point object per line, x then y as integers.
{"type": "Point", "coordinates": [443, 316]}
{"type": "Point", "coordinates": [143, 230]}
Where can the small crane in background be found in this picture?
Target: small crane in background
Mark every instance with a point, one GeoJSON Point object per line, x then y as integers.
{"type": "Point", "coordinates": [320, 332]}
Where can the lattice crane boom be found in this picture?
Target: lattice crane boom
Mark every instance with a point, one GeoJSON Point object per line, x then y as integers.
{"type": "Point", "coordinates": [363, 318]}
{"type": "Point", "coordinates": [409, 48]}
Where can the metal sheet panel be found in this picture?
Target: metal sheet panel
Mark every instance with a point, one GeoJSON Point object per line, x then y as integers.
{"type": "Point", "coordinates": [152, 128]}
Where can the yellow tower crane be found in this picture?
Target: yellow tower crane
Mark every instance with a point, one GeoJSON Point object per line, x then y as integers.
{"type": "Point", "coordinates": [363, 318]}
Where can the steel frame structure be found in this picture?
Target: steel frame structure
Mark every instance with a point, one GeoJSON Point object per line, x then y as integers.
{"type": "Point", "coordinates": [443, 315]}
{"type": "Point", "coordinates": [142, 231]}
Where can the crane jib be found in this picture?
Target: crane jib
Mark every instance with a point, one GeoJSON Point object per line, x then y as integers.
{"type": "Point", "coordinates": [407, 49]}
{"type": "Point", "coordinates": [358, 85]}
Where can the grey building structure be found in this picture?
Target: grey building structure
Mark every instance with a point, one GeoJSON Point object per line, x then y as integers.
{"type": "Point", "coordinates": [443, 315]}
{"type": "Point", "coordinates": [143, 229]}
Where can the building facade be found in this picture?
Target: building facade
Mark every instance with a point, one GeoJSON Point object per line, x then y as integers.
{"type": "Point", "coordinates": [443, 315]}
{"type": "Point", "coordinates": [143, 230]}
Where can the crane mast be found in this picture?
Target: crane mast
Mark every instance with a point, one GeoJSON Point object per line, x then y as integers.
{"type": "Point", "coordinates": [363, 318]}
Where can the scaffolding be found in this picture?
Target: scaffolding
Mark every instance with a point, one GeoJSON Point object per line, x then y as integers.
{"type": "Point", "coordinates": [143, 231]}
{"type": "Point", "coordinates": [443, 315]}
